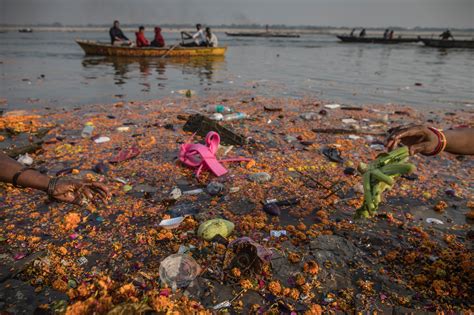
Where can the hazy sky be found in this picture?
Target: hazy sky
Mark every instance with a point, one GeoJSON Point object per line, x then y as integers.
{"type": "Point", "coordinates": [406, 13]}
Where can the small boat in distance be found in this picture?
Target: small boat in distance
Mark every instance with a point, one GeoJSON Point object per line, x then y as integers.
{"type": "Point", "coordinates": [263, 34]}
{"type": "Point", "coordinates": [446, 43]}
{"type": "Point", "coordinates": [95, 48]}
{"type": "Point", "coordinates": [377, 40]}
{"type": "Point", "coordinates": [25, 30]}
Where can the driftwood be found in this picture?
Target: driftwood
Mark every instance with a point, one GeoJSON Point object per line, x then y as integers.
{"type": "Point", "coordinates": [29, 148]}
{"type": "Point", "coordinates": [347, 131]}
{"type": "Point", "coordinates": [202, 125]}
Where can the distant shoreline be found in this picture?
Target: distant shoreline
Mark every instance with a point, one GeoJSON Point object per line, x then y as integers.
{"type": "Point", "coordinates": [321, 30]}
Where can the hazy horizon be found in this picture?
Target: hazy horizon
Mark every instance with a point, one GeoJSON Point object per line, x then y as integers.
{"type": "Point", "coordinates": [333, 13]}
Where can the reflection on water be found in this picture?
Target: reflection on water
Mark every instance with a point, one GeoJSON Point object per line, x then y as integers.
{"type": "Point", "coordinates": [313, 65]}
{"type": "Point", "coordinates": [127, 68]}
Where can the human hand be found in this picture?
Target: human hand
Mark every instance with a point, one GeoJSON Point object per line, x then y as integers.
{"type": "Point", "coordinates": [419, 139]}
{"type": "Point", "coordinates": [80, 192]}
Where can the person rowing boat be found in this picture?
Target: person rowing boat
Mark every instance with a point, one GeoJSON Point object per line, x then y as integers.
{"type": "Point", "coordinates": [199, 37]}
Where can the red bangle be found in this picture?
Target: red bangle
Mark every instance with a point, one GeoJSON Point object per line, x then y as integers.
{"type": "Point", "coordinates": [441, 142]}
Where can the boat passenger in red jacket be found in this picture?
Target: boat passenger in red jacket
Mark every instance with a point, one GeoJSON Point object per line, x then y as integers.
{"type": "Point", "coordinates": [159, 41]}
{"type": "Point", "coordinates": [141, 39]}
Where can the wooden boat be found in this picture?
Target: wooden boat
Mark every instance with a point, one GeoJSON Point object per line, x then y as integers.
{"type": "Point", "coordinates": [105, 49]}
{"type": "Point", "coordinates": [263, 34]}
{"type": "Point", "coordinates": [377, 40]}
{"type": "Point", "coordinates": [446, 43]}
{"type": "Point", "coordinates": [25, 30]}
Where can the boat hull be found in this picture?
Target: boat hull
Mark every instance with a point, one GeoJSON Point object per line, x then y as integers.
{"type": "Point", "coordinates": [376, 40]}
{"type": "Point", "coordinates": [263, 34]}
{"type": "Point", "coordinates": [440, 43]}
{"type": "Point", "coordinates": [93, 48]}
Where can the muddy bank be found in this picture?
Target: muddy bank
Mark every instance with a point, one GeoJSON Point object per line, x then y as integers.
{"type": "Point", "coordinates": [107, 258]}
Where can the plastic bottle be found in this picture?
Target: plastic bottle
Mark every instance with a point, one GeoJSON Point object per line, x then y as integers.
{"type": "Point", "coordinates": [87, 131]}
{"type": "Point", "coordinates": [216, 116]}
{"type": "Point", "coordinates": [235, 116]}
{"type": "Point", "coordinates": [218, 109]}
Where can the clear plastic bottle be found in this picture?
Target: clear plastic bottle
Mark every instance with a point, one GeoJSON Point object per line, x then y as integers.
{"type": "Point", "coordinates": [235, 116]}
{"type": "Point", "coordinates": [87, 131]}
{"type": "Point", "coordinates": [218, 109]}
{"type": "Point", "coordinates": [216, 116]}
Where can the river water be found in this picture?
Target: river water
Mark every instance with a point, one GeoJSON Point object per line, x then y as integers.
{"type": "Point", "coordinates": [48, 69]}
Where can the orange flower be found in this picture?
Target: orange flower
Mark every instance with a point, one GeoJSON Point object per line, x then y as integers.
{"type": "Point", "coordinates": [294, 258]}
{"type": "Point", "coordinates": [63, 250]}
{"type": "Point", "coordinates": [391, 256]}
{"type": "Point", "coordinates": [246, 284]}
{"type": "Point", "coordinates": [71, 220]}
{"type": "Point", "coordinates": [315, 309]}
{"type": "Point", "coordinates": [236, 272]}
{"type": "Point", "coordinates": [275, 287]}
{"type": "Point", "coordinates": [440, 206]}
{"type": "Point", "coordinates": [411, 257]}
{"type": "Point", "coordinates": [311, 267]}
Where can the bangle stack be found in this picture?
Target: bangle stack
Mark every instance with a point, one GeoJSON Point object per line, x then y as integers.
{"type": "Point", "coordinates": [52, 186]}
{"type": "Point", "coordinates": [441, 141]}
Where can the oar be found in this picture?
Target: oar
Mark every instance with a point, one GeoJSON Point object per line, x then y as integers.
{"type": "Point", "coordinates": [169, 50]}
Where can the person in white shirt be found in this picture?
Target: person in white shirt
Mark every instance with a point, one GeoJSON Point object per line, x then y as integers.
{"type": "Point", "coordinates": [211, 38]}
{"type": "Point", "coordinates": [199, 37]}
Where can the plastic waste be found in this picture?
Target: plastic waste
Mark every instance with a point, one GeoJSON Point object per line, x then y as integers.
{"type": "Point", "coordinates": [171, 223]}
{"type": "Point", "coordinates": [218, 109]}
{"type": "Point", "coordinates": [273, 206]}
{"type": "Point", "coordinates": [310, 116]}
{"type": "Point", "coordinates": [235, 116]}
{"type": "Point", "coordinates": [178, 270]}
{"type": "Point", "coordinates": [102, 140]}
{"type": "Point", "coordinates": [209, 229]}
{"type": "Point", "coordinates": [216, 117]}
{"type": "Point", "coordinates": [82, 260]}
{"type": "Point", "coordinates": [88, 130]}
{"type": "Point", "coordinates": [277, 233]}
{"type": "Point", "coordinates": [214, 188]}
{"type": "Point", "coordinates": [333, 154]}
{"type": "Point", "coordinates": [260, 177]}
{"type": "Point", "coordinates": [25, 160]}
{"type": "Point", "coordinates": [184, 209]}
{"type": "Point", "coordinates": [176, 193]}
{"type": "Point", "coordinates": [332, 106]}
{"type": "Point", "coordinates": [196, 191]}
{"type": "Point", "coordinates": [222, 305]}
{"type": "Point", "coordinates": [349, 121]}
{"type": "Point", "coordinates": [434, 220]}
{"type": "Point", "coordinates": [123, 129]}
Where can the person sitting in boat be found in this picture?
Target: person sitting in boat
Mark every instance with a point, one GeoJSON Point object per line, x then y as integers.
{"type": "Point", "coordinates": [362, 33]}
{"type": "Point", "coordinates": [73, 191]}
{"type": "Point", "coordinates": [385, 34]}
{"type": "Point", "coordinates": [390, 35]}
{"type": "Point", "coordinates": [352, 32]}
{"type": "Point", "coordinates": [211, 38]}
{"type": "Point", "coordinates": [158, 41]}
{"type": "Point", "coordinates": [116, 35]}
{"type": "Point", "coordinates": [446, 35]}
{"type": "Point", "coordinates": [199, 37]}
{"type": "Point", "coordinates": [141, 39]}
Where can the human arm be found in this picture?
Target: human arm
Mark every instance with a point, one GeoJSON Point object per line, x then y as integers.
{"type": "Point", "coordinates": [421, 139]}
{"type": "Point", "coordinates": [65, 190]}
{"type": "Point", "coordinates": [188, 36]}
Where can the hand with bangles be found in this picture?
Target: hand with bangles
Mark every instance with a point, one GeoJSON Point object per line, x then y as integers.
{"type": "Point", "coordinates": [431, 141]}
{"type": "Point", "coordinates": [73, 191]}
